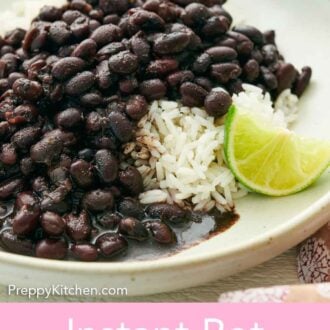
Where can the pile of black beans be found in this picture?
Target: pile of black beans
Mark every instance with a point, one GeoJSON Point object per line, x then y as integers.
{"type": "Point", "coordinates": [72, 89]}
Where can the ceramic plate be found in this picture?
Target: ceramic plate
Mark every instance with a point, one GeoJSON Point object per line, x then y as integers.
{"type": "Point", "coordinates": [267, 226]}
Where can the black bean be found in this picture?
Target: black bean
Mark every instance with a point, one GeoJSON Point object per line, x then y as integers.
{"type": "Point", "coordinates": [146, 20]}
{"type": "Point", "coordinates": [108, 50]}
{"type": "Point", "coordinates": [251, 70]}
{"type": "Point", "coordinates": [106, 34]}
{"type": "Point", "coordinates": [270, 54]}
{"type": "Point", "coordinates": [106, 165]}
{"type": "Point", "coordinates": [130, 207]}
{"type": "Point", "coordinates": [14, 76]}
{"type": "Point", "coordinates": [10, 187]}
{"type": "Point", "coordinates": [15, 244]}
{"type": "Point", "coordinates": [109, 220]}
{"type": "Point", "coordinates": [104, 78]}
{"type": "Point", "coordinates": [81, 5]}
{"type": "Point", "coordinates": [82, 172]}
{"type": "Point", "coordinates": [26, 220]}
{"type": "Point", "coordinates": [286, 75]}
{"type": "Point", "coordinates": [171, 43]}
{"type": "Point", "coordinates": [69, 118]}
{"type": "Point", "coordinates": [78, 227]}
{"type": "Point", "coordinates": [204, 82]}
{"type": "Point", "coordinates": [121, 126]}
{"type": "Point", "coordinates": [69, 16]}
{"type": "Point", "coordinates": [179, 77]}
{"type": "Point", "coordinates": [162, 66]}
{"type": "Point", "coordinates": [24, 113]}
{"type": "Point", "coordinates": [168, 212]}
{"type": "Point", "coordinates": [98, 200]}
{"type": "Point", "coordinates": [80, 27]}
{"type": "Point", "coordinates": [223, 72]}
{"type": "Point", "coordinates": [39, 185]}
{"type": "Point", "coordinates": [92, 99]}
{"type": "Point", "coordinates": [8, 154]}
{"type": "Point", "coordinates": [161, 232]}
{"type": "Point", "coordinates": [26, 137]}
{"type": "Point", "coordinates": [140, 48]}
{"type": "Point", "coordinates": [51, 249]}
{"type": "Point", "coordinates": [67, 67]}
{"type": "Point", "coordinates": [86, 49]}
{"type": "Point", "coordinates": [217, 104]}
{"type": "Point", "coordinates": [59, 32]}
{"type": "Point", "coordinates": [131, 181]}
{"type": "Point", "coordinates": [67, 138]}
{"type": "Point", "coordinates": [251, 32]}
{"type": "Point", "coordinates": [114, 6]}
{"type": "Point", "coordinates": [46, 150]}
{"type": "Point", "coordinates": [124, 62]}
{"type": "Point", "coordinates": [85, 252]}
{"type": "Point", "coordinates": [128, 86]}
{"type": "Point", "coordinates": [52, 223]}
{"type": "Point", "coordinates": [302, 81]}
{"type": "Point", "coordinates": [133, 229]}
{"type": "Point", "coordinates": [244, 45]}
{"type": "Point", "coordinates": [111, 244]}
{"type": "Point", "coordinates": [202, 63]}
{"type": "Point", "coordinates": [192, 94]}
{"type": "Point", "coordinates": [221, 54]}
{"type": "Point", "coordinates": [80, 83]}
{"type": "Point", "coordinates": [216, 26]}
{"type": "Point", "coordinates": [50, 13]}
{"type": "Point", "coordinates": [268, 78]}
{"type": "Point", "coordinates": [195, 14]}
{"type": "Point", "coordinates": [15, 37]}
{"type": "Point", "coordinates": [27, 89]}
{"type": "Point", "coordinates": [27, 166]}
{"type": "Point", "coordinates": [153, 89]}
{"type": "Point", "coordinates": [26, 198]}
{"type": "Point", "coordinates": [269, 37]}
{"type": "Point", "coordinates": [136, 107]}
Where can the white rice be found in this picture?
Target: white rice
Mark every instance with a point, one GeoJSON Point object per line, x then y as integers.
{"type": "Point", "coordinates": [20, 13]}
{"type": "Point", "coordinates": [179, 150]}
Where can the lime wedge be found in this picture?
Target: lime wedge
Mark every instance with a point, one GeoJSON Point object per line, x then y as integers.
{"type": "Point", "coordinates": [271, 160]}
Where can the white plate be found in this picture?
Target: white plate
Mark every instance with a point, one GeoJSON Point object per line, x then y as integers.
{"type": "Point", "coordinates": [268, 226]}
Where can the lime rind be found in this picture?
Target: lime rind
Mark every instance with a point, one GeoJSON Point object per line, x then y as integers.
{"type": "Point", "coordinates": [270, 141]}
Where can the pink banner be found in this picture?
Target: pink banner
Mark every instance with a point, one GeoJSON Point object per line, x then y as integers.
{"type": "Point", "coordinates": [153, 316]}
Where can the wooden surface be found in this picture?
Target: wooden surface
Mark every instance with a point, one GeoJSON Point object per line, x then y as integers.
{"type": "Point", "coordinates": [279, 271]}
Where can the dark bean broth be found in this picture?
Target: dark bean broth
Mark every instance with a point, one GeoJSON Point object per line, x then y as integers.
{"type": "Point", "coordinates": [189, 233]}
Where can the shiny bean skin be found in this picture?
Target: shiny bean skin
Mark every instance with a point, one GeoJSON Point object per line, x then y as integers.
{"type": "Point", "coordinates": [85, 252]}
{"type": "Point", "coordinates": [107, 165]}
{"type": "Point", "coordinates": [52, 223]}
{"type": "Point", "coordinates": [302, 81]}
{"type": "Point", "coordinates": [51, 249]}
{"type": "Point", "coordinates": [133, 229]}
{"type": "Point", "coordinates": [168, 212]}
{"type": "Point", "coordinates": [81, 171]}
{"type": "Point", "coordinates": [26, 220]}
{"type": "Point", "coordinates": [121, 126]}
{"type": "Point", "coordinates": [98, 200]}
{"type": "Point", "coordinates": [67, 67]}
{"type": "Point", "coordinates": [15, 244]}
{"type": "Point", "coordinates": [78, 226]}
{"type": "Point", "coordinates": [217, 104]}
{"type": "Point", "coordinates": [111, 245]}
{"type": "Point", "coordinates": [131, 181]}
{"type": "Point", "coordinates": [161, 232]}
{"type": "Point", "coordinates": [80, 83]}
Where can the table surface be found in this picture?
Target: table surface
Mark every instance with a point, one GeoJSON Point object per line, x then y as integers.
{"type": "Point", "coordinates": [279, 271]}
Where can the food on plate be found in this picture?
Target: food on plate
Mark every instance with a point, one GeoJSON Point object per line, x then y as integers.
{"type": "Point", "coordinates": [112, 125]}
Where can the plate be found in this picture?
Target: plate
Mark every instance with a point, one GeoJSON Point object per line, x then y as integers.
{"type": "Point", "coordinates": [267, 226]}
